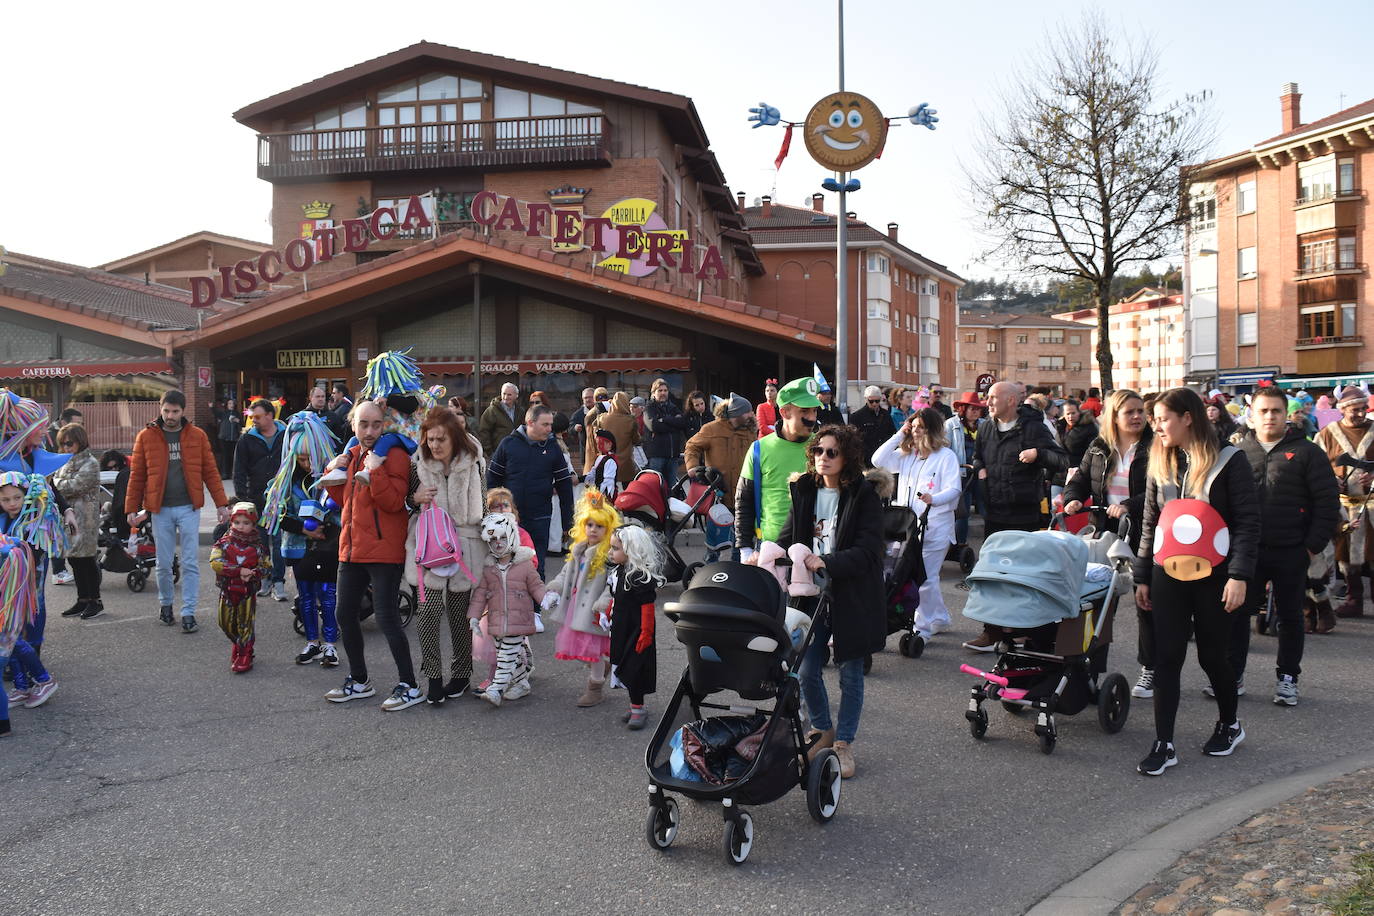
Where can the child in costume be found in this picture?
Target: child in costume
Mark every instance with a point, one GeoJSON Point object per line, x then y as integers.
{"type": "Point", "coordinates": [393, 381]}
{"type": "Point", "coordinates": [18, 604]}
{"type": "Point", "coordinates": [309, 532]}
{"type": "Point", "coordinates": [241, 560]}
{"type": "Point", "coordinates": [500, 500]}
{"type": "Point", "coordinates": [506, 595]}
{"type": "Point", "coordinates": [28, 514]}
{"type": "Point", "coordinates": [635, 579]}
{"type": "Point", "coordinates": [602, 475]}
{"type": "Point", "coordinates": [581, 591]}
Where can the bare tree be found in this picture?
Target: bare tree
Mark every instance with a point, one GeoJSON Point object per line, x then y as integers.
{"type": "Point", "coordinates": [1079, 169]}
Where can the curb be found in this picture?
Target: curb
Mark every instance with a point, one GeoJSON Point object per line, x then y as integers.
{"type": "Point", "coordinates": [1111, 882]}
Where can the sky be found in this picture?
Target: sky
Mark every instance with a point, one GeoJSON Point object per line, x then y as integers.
{"type": "Point", "coordinates": [118, 133]}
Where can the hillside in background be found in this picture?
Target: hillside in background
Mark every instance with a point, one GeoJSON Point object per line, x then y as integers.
{"type": "Point", "coordinates": [1038, 297]}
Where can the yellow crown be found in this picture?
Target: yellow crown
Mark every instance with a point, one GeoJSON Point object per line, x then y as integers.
{"type": "Point", "coordinates": [317, 209]}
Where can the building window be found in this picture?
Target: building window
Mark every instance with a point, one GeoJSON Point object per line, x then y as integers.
{"type": "Point", "coordinates": [929, 287]}
{"type": "Point", "coordinates": [1317, 322]}
{"type": "Point", "coordinates": [896, 318]}
{"type": "Point", "coordinates": [992, 346]}
{"type": "Point", "coordinates": [878, 356]}
{"type": "Point", "coordinates": [1348, 314]}
{"type": "Point", "coordinates": [1246, 327]}
{"type": "Point", "coordinates": [897, 358]}
{"type": "Point", "coordinates": [970, 365]}
{"type": "Point", "coordinates": [970, 338]}
{"type": "Point", "coordinates": [1051, 362]}
{"type": "Point", "coordinates": [1076, 367]}
{"type": "Point", "coordinates": [1205, 213]}
{"type": "Point", "coordinates": [1023, 338]}
{"type": "Point", "coordinates": [1345, 251]}
{"type": "Point", "coordinates": [1245, 197]}
{"type": "Point", "coordinates": [1051, 337]}
{"type": "Point", "coordinates": [877, 308]}
{"type": "Point", "coordinates": [1246, 265]}
{"type": "Point", "coordinates": [877, 263]}
{"type": "Point", "coordinates": [1023, 364]}
{"type": "Point", "coordinates": [1345, 176]}
{"type": "Point", "coordinates": [1075, 340]}
{"type": "Point", "coordinates": [1317, 179]}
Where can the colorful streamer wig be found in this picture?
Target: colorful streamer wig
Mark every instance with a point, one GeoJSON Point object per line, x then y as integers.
{"type": "Point", "coordinates": [594, 507]}
{"type": "Point", "coordinates": [18, 595]}
{"type": "Point", "coordinates": [392, 372]}
{"type": "Point", "coordinates": [306, 434]}
{"type": "Point", "coordinates": [38, 523]}
{"type": "Point", "coordinates": [20, 418]}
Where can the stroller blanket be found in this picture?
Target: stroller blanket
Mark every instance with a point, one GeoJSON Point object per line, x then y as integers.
{"type": "Point", "coordinates": [1027, 579]}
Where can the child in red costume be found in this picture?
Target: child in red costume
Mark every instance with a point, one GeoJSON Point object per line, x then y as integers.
{"type": "Point", "coordinates": [241, 561]}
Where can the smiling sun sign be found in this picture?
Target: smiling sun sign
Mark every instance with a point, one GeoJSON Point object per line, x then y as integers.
{"type": "Point", "coordinates": [845, 131]}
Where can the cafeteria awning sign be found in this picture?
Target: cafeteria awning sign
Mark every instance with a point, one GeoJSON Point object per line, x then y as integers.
{"type": "Point", "coordinates": [325, 358]}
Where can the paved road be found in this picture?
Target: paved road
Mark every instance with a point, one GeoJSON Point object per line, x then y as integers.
{"type": "Point", "coordinates": [156, 781]}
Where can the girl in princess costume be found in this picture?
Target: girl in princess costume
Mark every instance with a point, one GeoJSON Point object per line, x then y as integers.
{"type": "Point", "coordinates": [241, 559]}
{"type": "Point", "coordinates": [635, 579]}
{"type": "Point", "coordinates": [393, 381]}
{"type": "Point", "coordinates": [18, 604]}
{"type": "Point", "coordinates": [581, 591]}
{"type": "Point", "coordinates": [28, 514]}
{"type": "Point", "coordinates": [309, 531]}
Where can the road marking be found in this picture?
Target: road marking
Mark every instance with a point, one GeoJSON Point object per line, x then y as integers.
{"type": "Point", "coordinates": [106, 623]}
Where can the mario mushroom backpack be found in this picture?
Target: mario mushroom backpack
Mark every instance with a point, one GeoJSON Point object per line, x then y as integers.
{"type": "Point", "coordinates": [1191, 537]}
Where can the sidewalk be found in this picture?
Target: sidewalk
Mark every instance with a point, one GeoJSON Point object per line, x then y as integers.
{"type": "Point", "coordinates": [209, 515]}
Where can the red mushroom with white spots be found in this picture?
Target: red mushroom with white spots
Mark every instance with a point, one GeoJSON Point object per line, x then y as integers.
{"type": "Point", "coordinates": [1191, 539]}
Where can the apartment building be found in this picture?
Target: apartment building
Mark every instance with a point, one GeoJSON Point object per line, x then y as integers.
{"type": "Point", "coordinates": [1147, 340]}
{"type": "Point", "coordinates": [1036, 350]}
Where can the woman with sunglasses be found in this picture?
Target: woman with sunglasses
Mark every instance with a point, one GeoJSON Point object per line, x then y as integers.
{"type": "Point", "coordinates": [837, 514]}
{"type": "Point", "coordinates": [927, 483]}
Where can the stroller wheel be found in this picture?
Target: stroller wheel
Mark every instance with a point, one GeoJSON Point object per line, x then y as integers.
{"type": "Point", "coordinates": [1261, 623]}
{"type": "Point", "coordinates": [136, 580]}
{"type": "Point", "coordinates": [296, 623]}
{"type": "Point", "coordinates": [823, 786]}
{"type": "Point", "coordinates": [1113, 703]}
{"type": "Point", "coordinates": [661, 828]}
{"type": "Point", "coordinates": [977, 723]}
{"type": "Point", "coordinates": [738, 838]}
{"type": "Point", "coordinates": [911, 645]}
{"type": "Point", "coordinates": [1047, 743]}
{"type": "Point", "coordinates": [405, 606]}
{"type": "Point", "coordinates": [967, 560]}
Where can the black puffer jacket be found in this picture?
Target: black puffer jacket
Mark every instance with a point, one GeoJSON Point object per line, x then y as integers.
{"type": "Point", "coordinates": [875, 426]}
{"type": "Point", "coordinates": [665, 422]}
{"type": "Point", "coordinates": [1233, 496]}
{"type": "Point", "coordinates": [1013, 490]}
{"type": "Point", "coordinates": [1095, 473]}
{"type": "Point", "coordinates": [858, 609]}
{"type": "Point", "coordinates": [1299, 499]}
{"type": "Point", "coordinates": [1078, 438]}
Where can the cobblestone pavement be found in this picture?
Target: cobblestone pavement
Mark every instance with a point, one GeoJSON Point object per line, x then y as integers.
{"type": "Point", "coordinates": [1283, 860]}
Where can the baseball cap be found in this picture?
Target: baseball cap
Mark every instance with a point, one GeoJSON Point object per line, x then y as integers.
{"type": "Point", "coordinates": [801, 392]}
{"type": "Point", "coordinates": [637, 402]}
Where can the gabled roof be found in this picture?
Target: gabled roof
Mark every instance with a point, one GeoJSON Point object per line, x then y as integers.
{"type": "Point", "coordinates": [1363, 109]}
{"type": "Point", "coordinates": [788, 225]}
{"type": "Point", "coordinates": [204, 235]}
{"type": "Point", "coordinates": [114, 297]}
{"type": "Point", "coordinates": [1011, 320]}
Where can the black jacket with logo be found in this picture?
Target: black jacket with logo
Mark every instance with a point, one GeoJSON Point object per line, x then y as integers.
{"type": "Point", "coordinates": [1299, 498]}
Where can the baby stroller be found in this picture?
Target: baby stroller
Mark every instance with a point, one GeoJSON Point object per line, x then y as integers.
{"type": "Point", "coordinates": [405, 606]}
{"type": "Point", "coordinates": [647, 500]}
{"type": "Point", "coordinates": [1057, 596]}
{"type": "Point", "coordinates": [141, 549]}
{"type": "Point", "coordinates": [904, 572]}
{"type": "Point", "coordinates": [733, 619]}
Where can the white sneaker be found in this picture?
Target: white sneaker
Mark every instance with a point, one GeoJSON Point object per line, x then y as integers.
{"type": "Point", "coordinates": [362, 477]}
{"type": "Point", "coordinates": [538, 622]}
{"type": "Point", "coordinates": [279, 591]}
{"type": "Point", "coordinates": [265, 589]}
{"type": "Point", "coordinates": [492, 695]}
{"type": "Point", "coordinates": [1286, 692]}
{"type": "Point", "coordinates": [351, 690]}
{"type": "Point", "coordinates": [65, 577]}
{"type": "Point", "coordinates": [518, 690]}
{"type": "Point", "coordinates": [330, 658]}
{"type": "Point", "coordinates": [336, 476]}
{"type": "Point", "coordinates": [403, 696]}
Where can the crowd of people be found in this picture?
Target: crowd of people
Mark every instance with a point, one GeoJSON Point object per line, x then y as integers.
{"type": "Point", "coordinates": [403, 488]}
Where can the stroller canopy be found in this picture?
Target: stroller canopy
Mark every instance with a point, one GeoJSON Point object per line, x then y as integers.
{"type": "Point", "coordinates": [1027, 579]}
{"type": "Point", "coordinates": [646, 498]}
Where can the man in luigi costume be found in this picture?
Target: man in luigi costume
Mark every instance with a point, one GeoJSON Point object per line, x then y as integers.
{"type": "Point", "coordinates": [762, 500]}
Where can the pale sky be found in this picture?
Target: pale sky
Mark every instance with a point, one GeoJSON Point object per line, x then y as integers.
{"type": "Point", "coordinates": [118, 135]}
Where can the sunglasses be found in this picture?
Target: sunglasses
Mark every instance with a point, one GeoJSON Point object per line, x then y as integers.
{"type": "Point", "coordinates": [875, 400]}
{"type": "Point", "coordinates": [816, 451]}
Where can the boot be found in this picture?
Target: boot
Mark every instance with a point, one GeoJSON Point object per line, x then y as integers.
{"type": "Point", "coordinates": [1326, 619]}
{"type": "Point", "coordinates": [246, 657]}
{"type": "Point", "coordinates": [769, 555]}
{"type": "Point", "coordinates": [592, 695]}
{"type": "Point", "coordinates": [802, 585]}
{"type": "Point", "coordinates": [234, 657]}
{"type": "Point", "coordinates": [1353, 605]}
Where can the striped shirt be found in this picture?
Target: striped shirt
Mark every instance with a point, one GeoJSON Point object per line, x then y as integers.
{"type": "Point", "coordinates": [1119, 486]}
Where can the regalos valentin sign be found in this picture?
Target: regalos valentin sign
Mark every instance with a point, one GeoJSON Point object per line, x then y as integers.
{"type": "Point", "coordinates": [301, 254]}
{"type": "Point", "coordinates": [635, 248]}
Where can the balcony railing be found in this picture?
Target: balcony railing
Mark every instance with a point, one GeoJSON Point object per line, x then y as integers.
{"type": "Point", "coordinates": [1349, 340]}
{"type": "Point", "coordinates": [1330, 268]}
{"type": "Point", "coordinates": [505, 143]}
{"type": "Point", "coordinates": [1321, 197]}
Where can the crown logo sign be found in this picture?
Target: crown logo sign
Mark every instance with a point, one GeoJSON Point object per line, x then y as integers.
{"type": "Point", "coordinates": [317, 209]}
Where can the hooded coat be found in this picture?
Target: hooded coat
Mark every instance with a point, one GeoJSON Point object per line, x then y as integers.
{"type": "Point", "coordinates": [719, 445]}
{"type": "Point", "coordinates": [508, 596]}
{"type": "Point", "coordinates": [622, 425]}
{"type": "Point", "coordinates": [460, 492]}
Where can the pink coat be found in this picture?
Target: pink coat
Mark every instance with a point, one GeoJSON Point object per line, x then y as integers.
{"type": "Point", "coordinates": [508, 597]}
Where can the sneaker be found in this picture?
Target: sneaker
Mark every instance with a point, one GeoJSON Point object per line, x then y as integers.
{"type": "Point", "coordinates": [65, 577]}
{"type": "Point", "coordinates": [279, 591]}
{"type": "Point", "coordinates": [518, 690]}
{"type": "Point", "coordinates": [93, 609]}
{"type": "Point", "coordinates": [538, 622]}
{"type": "Point", "coordinates": [1144, 685]}
{"type": "Point", "coordinates": [1160, 758]}
{"type": "Point", "coordinates": [639, 717]}
{"type": "Point", "coordinates": [76, 610]}
{"type": "Point", "coordinates": [17, 696]}
{"type": "Point", "coordinates": [165, 615]}
{"type": "Point", "coordinates": [403, 696]}
{"type": "Point", "coordinates": [1224, 740]}
{"type": "Point", "coordinates": [1286, 692]}
{"type": "Point", "coordinates": [330, 658]}
{"type": "Point", "coordinates": [1240, 689]}
{"type": "Point", "coordinates": [492, 695]}
{"type": "Point", "coordinates": [311, 652]}
{"type": "Point", "coordinates": [456, 687]}
{"type": "Point", "coordinates": [351, 690]}
{"type": "Point", "coordinates": [362, 477]}
{"type": "Point", "coordinates": [188, 623]}
{"type": "Point", "coordinates": [334, 477]}
{"type": "Point", "coordinates": [265, 589]}
{"type": "Point", "coordinates": [983, 642]}
{"type": "Point", "coordinates": [40, 693]}
{"type": "Point", "coordinates": [846, 755]}
{"type": "Point", "coordinates": [4, 727]}
{"type": "Point", "coordinates": [436, 695]}
{"type": "Point", "coordinates": [481, 688]}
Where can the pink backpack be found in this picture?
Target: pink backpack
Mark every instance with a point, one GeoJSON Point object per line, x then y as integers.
{"type": "Point", "coordinates": [438, 548]}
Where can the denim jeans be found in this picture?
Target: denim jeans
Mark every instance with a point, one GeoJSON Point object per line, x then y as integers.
{"type": "Point", "coordinates": [385, 579]}
{"type": "Point", "coordinates": [278, 562]}
{"type": "Point", "coordinates": [814, 696]}
{"type": "Point", "coordinates": [177, 529]}
{"type": "Point", "coordinates": [667, 467]}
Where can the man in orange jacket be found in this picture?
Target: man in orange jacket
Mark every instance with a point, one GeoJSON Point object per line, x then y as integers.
{"type": "Point", "coordinates": [372, 544]}
{"type": "Point", "coordinates": [172, 467]}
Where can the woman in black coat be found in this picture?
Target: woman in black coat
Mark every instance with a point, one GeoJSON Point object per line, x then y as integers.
{"type": "Point", "coordinates": [836, 512]}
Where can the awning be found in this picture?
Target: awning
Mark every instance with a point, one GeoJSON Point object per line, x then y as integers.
{"type": "Point", "coordinates": [1246, 376]}
{"type": "Point", "coordinates": [541, 365]}
{"type": "Point", "coordinates": [1325, 381]}
{"type": "Point", "coordinates": [63, 369]}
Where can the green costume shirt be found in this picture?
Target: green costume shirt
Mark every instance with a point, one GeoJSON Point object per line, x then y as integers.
{"type": "Point", "coordinates": [779, 460]}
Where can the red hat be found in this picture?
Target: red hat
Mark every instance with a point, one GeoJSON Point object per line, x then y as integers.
{"type": "Point", "coordinates": [969, 399]}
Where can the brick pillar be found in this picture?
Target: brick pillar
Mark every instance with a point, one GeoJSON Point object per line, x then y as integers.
{"type": "Point", "coordinates": [198, 400]}
{"type": "Point", "coordinates": [363, 337]}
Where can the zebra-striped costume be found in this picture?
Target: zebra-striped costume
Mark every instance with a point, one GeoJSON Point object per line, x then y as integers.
{"type": "Point", "coordinates": [512, 664]}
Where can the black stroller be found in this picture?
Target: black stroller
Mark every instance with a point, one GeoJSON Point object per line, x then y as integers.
{"type": "Point", "coordinates": [140, 555]}
{"type": "Point", "coordinates": [732, 619]}
{"type": "Point", "coordinates": [647, 500]}
{"type": "Point", "coordinates": [405, 606]}
{"type": "Point", "coordinates": [904, 571]}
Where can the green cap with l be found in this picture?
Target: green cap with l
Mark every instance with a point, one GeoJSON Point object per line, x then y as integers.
{"type": "Point", "coordinates": [801, 392]}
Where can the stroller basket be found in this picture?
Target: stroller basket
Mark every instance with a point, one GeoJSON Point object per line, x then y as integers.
{"type": "Point", "coordinates": [730, 618]}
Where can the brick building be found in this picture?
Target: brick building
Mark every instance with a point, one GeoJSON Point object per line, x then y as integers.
{"type": "Point", "coordinates": [1278, 280]}
{"type": "Point", "coordinates": [174, 263]}
{"type": "Point", "coordinates": [1039, 351]}
{"type": "Point", "coordinates": [902, 304]}
{"type": "Point", "coordinates": [1146, 332]}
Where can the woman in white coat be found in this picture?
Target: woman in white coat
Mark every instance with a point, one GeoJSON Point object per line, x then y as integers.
{"type": "Point", "coordinates": [927, 473]}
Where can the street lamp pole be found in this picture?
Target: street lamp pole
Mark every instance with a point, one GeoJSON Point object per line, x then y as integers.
{"type": "Point", "coordinates": [842, 268]}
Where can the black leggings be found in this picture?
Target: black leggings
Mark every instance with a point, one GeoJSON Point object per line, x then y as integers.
{"type": "Point", "coordinates": [86, 572]}
{"type": "Point", "coordinates": [385, 579]}
{"type": "Point", "coordinates": [1177, 604]}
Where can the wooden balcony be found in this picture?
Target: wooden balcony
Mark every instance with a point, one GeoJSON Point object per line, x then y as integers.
{"type": "Point", "coordinates": [1312, 343]}
{"type": "Point", "coordinates": [497, 145]}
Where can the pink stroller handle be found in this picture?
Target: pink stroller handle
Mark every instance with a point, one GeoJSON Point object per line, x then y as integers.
{"type": "Point", "coordinates": [985, 675]}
